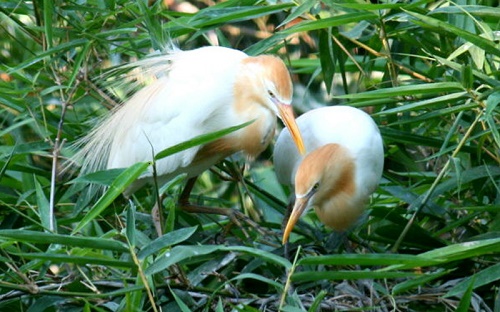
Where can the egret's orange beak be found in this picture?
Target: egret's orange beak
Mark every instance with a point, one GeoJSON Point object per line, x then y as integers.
{"type": "Point", "coordinates": [286, 114]}
{"type": "Point", "coordinates": [298, 208]}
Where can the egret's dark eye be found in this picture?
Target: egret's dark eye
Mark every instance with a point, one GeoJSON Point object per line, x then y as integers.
{"type": "Point", "coordinates": [315, 187]}
{"type": "Point", "coordinates": [271, 93]}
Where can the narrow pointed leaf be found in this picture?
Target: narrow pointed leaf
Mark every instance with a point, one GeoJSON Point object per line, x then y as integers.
{"type": "Point", "coordinates": [43, 206]}
{"type": "Point", "coordinates": [311, 276]}
{"type": "Point", "coordinates": [490, 275]}
{"type": "Point", "coordinates": [479, 41]}
{"type": "Point", "coordinates": [115, 189]}
{"type": "Point", "coordinates": [429, 88]}
{"type": "Point", "coordinates": [201, 139]}
{"type": "Point", "coordinates": [37, 237]}
{"type": "Point", "coordinates": [330, 22]}
{"type": "Point", "coordinates": [60, 258]}
{"type": "Point", "coordinates": [169, 239]}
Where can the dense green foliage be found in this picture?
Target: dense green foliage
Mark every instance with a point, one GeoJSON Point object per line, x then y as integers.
{"type": "Point", "coordinates": [428, 72]}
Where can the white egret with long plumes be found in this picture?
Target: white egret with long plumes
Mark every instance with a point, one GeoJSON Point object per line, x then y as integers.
{"type": "Point", "coordinates": [342, 168]}
{"type": "Point", "coordinates": [193, 93]}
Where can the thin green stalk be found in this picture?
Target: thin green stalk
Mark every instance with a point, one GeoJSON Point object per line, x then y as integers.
{"type": "Point", "coordinates": [435, 184]}
{"type": "Point", "coordinates": [289, 279]}
{"type": "Point", "coordinates": [143, 278]}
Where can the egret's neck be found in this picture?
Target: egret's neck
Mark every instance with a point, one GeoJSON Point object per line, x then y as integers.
{"type": "Point", "coordinates": [250, 104]}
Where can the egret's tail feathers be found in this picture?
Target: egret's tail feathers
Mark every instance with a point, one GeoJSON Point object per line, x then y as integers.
{"type": "Point", "coordinates": [126, 81]}
{"type": "Point", "coordinates": [93, 149]}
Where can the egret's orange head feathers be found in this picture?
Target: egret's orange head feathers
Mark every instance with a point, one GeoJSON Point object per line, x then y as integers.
{"type": "Point", "coordinates": [325, 181]}
{"type": "Point", "coordinates": [266, 80]}
{"type": "Point", "coordinates": [330, 165]}
{"type": "Point", "coordinates": [275, 76]}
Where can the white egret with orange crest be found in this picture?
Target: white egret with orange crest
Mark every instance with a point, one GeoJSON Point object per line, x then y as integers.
{"type": "Point", "coordinates": [342, 168]}
{"type": "Point", "coordinates": [194, 93]}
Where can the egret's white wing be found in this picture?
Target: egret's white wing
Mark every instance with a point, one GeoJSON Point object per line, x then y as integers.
{"type": "Point", "coordinates": [192, 97]}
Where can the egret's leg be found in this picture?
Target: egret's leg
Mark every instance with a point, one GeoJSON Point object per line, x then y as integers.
{"type": "Point", "coordinates": [235, 216]}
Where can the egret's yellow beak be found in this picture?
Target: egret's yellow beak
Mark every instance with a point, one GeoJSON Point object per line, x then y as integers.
{"type": "Point", "coordinates": [298, 208]}
{"type": "Point", "coordinates": [285, 112]}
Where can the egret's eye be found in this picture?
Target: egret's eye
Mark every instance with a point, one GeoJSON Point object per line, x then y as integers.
{"type": "Point", "coordinates": [271, 93]}
{"type": "Point", "coordinates": [315, 187]}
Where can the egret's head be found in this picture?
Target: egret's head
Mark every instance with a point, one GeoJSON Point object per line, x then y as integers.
{"type": "Point", "coordinates": [274, 89]}
{"type": "Point", "coordinates": [323, 175]}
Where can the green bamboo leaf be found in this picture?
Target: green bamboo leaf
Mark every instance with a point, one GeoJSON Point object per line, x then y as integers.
{"type": "Point", "coordinates": [48, 11]}
{"type": "Point", "coordinates": [60, 258]}
{"type": "Point", "coordinates": [416, 89]}
{"type": "Point", "coordinates": [43, 206]}
{"type": "Point", "coordinates": [475, 10]}
{"type": "Point", "coordinates": [177, 254]}
{"type": "Point", "coordinates": [312, 276]}
{"type": "Point", "coordinates": [492, 103]}
{"type": "Point", "coordinates": [53, 89]}
{"type": "Point", "coordinates": [7, 162]}
{"type": "Point", "coordinates": [115, 293]}
{"type": "Point", "coordinates": [372, 6]}
{"type": "Point", "coordinates": [465, 250]}
{"type": "Point", "coordinates": [467, 176]}
{"type": "Point", "coordinates": [180, 253]}
{"type": "Point", "coordinates": [16, 125]}
{"type": "Point", "coordinates": [316, 305]}
{"type": "Point", "coordinates": [130, 229]}
{"type": "Point", "coordinates": [104, 177]}
{"type": "Point", "coordinates": [427, 103]}
{"type": "Point", "coordinates": [61, 48]}
{"type": "Point", "coordinates": [298, 11]}
{"type": "Point", "coordinates": [106, 34]}
{"type": "Point", "coordinates": [465, 301]}
{"type": "Point", "coordinates": [217, 15]}
{"type": "Point", "coordinates": [220, 307]}
{"type": "Point", "coordinates": [169, 239]}
{"type": "Point", "coordinates": [334, 21]}
{"type": "Point", "coordinates": [369, 260]}
{"type": "Point", "coordinates": [419, 281]}
{"type": "Point", "coordinates": [12, 102]}
{"type": "Point", "coordinates": [134, 299]}
{"type": "Point", "coordinates": [183, 306]}
{"type": "Point", "coordinates": [45, 303]}
{"type": "Point", "coordinates": [67, 240]}
{"type": "Point", "coordinates": [264, 255]}
{"type": "Point", "coordinates": [277, 285]}
{"type": "Point", "coordinates": [115, 189]}
{"type": "Point", "coordinates": [223, 12]}
{"type": "Point", "coordinates": [153, 25]}
{"type": "Point", "coordinates": [327, 58]}
{"type": "Point", "coordinates": [78, 62]}
{"type": "Point", "coordinates": [24, 148]}
{"type": "Point", "coordinates": [479, 41]}
{"type": "Point", "coordinates": [441, 112]}
{"type": "Point", "coordinates": [477, 73]}
{"type": "Point", "coordinates": [267, 44]}
{"type": "Point", "coordinates": [170, 206]}
{"type": "Point", "coordinates": [395, 135]}
{"type": "Point", "coordinates": [201, 139]}
{"type": "Point", "coordinates": [487, 276]}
